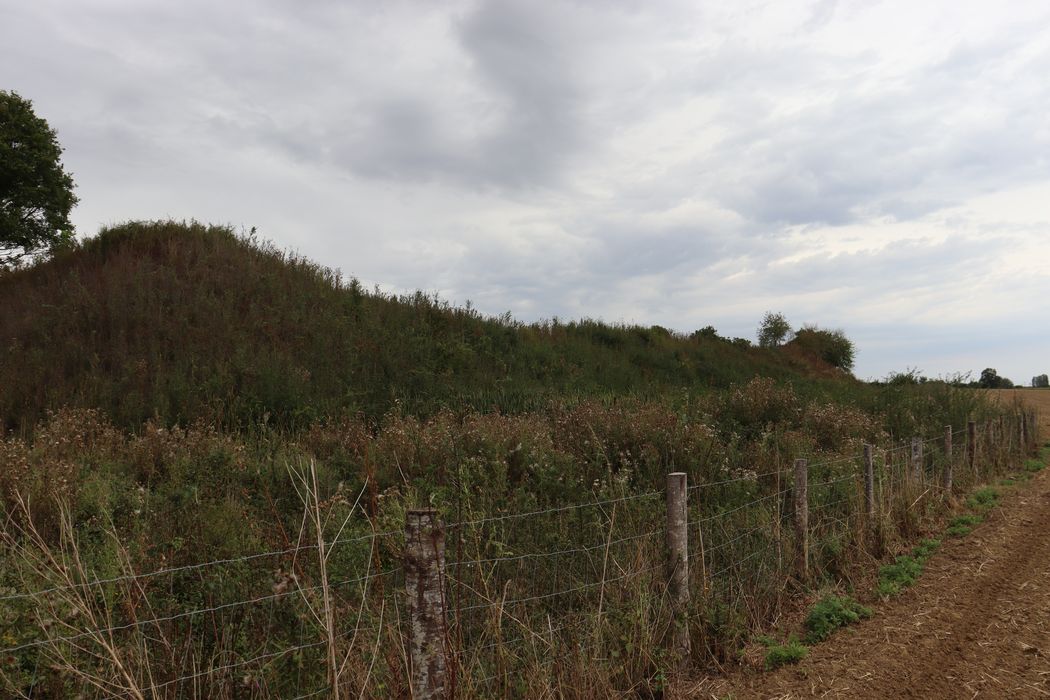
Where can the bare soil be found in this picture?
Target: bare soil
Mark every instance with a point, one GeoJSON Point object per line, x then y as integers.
{"type": "Point", "coordinates": [975, 625]}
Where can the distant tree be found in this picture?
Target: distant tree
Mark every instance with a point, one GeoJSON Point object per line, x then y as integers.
{"type": "Point", "coordinates": [831, 346]}
{"type": "Point", "coordinates": [774, 330]}
{"type": "Point", "coordinates": [36, 193]}
{"type": "Point", "coordinates": [990, 379]}
{"type": "Point", "coordinates": [1041, 381]}
{"type": "Point", "coordinates": [706, 332]}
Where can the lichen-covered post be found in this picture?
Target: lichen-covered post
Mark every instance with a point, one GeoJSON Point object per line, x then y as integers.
{"type": "Point", "coordinates": [971, 445]}
{"type": "Point", "coordinates": [916, 460]}
{"type": "Point", "coordinates": [802, 519]}
{"type": "Point", "coordinates": [869, 484]}
{"type": "Point", "coordinates": [678, 563]}
{"type": "Point", "coordinates": [947, 476]}
{"type": "Point", "coordinates": [424, 584]}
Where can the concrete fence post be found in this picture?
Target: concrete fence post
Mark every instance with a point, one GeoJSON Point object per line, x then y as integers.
{"type": "Point", "coordinates": [971, 445]}
{"type": "Point", "coordinates": [1000, 441]}
{"type": "Point", "coordinates": [947, 475]}
{"type": "Point", "coordinates": [802, 519]}
{"type": "Point", "coordinates": [1024, 432]}
{"type": "Point", "coordinates": [678, 563]}
{"type": "Point", "coordinates": [869, 484]}
{"type": "Point", "coordinates": [424, 584]}
{"type": "Point", "coordinates": [916, 460]}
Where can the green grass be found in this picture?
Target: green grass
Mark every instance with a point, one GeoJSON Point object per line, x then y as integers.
{"type": "Point", "coordinates": [983, 499]}
{"type": "Point", "coordinates": [905, 569]}
{"type": "Point", "coordinates": [790, 652]}
{"type": "Point", "coordinates": [830, 613]}
{"type": "Point", "coordinates": [1034, 465]}
{"type": "Point", "coordinates": [895, 577]}
{"type": "Point", "coordinates": [926, 549]}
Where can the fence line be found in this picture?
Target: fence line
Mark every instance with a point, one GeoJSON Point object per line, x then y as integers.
{"type": "Point", "coordinates": [990, 442]}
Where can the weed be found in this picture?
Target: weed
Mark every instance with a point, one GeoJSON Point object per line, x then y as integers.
{"type": "Point", "coordinates": [925, 550]}
{"type": "Point", "coordinates": [958, 530]}
{"type": "Point", "coordinates": [790, 652]}
{"type": "Point", "coordinates": [1034, 465]}
{"type": "Point", "coordinates": [983, 499]}
{"type": "Point", "coordinates": [830, 613]}
{"type": "Point", "coordinates": [895, 577]}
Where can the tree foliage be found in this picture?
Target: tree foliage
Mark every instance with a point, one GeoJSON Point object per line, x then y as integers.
{"type": "Point", "coordinates": [832, 346]}
{"type": "Point", "coordinates": [1041, 381]}
{"type": "Point", "coordinates": [774, 330]}
{"type": "Point", "coordinates": [36, 193]}
{"type": "Point", "coordinates": [990, 379]}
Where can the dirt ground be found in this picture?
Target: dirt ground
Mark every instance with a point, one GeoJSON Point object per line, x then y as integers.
{"type": "Point", "coordinates": [975, 625]}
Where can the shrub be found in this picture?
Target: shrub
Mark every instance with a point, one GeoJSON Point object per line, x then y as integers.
{"type": "Point", "coordinates": [831, 346]}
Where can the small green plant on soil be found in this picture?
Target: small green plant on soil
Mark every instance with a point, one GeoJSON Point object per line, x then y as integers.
{"type": "Point", "coordinates": [983, 499]}
{"type": "Point", "coordinates": [830, 613]}
{"type": "Point", "coordinates": [790, 652]}
{"type": "Point", "coordinates": [963, 525]}
{"type": "Point", "coordinates": [1034, 465]}
{"type": "Point", "coordinates": [905, 569]}
{"type": "Point", "coordinates": [926, 549]}
{"type": "Point", "coordinates": [895, 577]}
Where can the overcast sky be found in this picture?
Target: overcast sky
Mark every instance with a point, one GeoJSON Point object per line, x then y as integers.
{"type": "Point", "coordinates": [879, 167]}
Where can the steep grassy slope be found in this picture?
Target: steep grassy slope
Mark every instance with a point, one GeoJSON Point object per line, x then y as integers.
{"type": "Point", "coordinates": [177, 321]}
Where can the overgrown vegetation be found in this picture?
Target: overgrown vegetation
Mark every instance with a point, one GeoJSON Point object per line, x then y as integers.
{"type": "Point", "coordinates": [176, 322]}
{"type": "Point", "coordinates": [159, 408]}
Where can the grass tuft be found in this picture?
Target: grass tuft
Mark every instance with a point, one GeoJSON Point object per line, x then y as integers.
{"type": "Point", "coordinates": [790, 652]}
{"type": "Point", "coordinates": [983, 499]}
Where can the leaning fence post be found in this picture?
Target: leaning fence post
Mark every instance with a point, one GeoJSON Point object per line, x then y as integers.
{"type": "Point", "coordinates": [869, 484]}
{"type": "Point", "coordinates": [424, 584]}
{"type": "Point", "coordinates": [916, 460]}
{"type": "Point", "coordinates": [947, 476]}
{"type": "Point", "coordinates": [971, 445]}
{"type": "Point", "coordinates": [678, 562]}
{"type": "Point", "coordinates": [802, 519]}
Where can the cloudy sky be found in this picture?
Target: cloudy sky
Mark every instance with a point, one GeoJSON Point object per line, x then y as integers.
{"type": "Point", "coordinates": [879, 167]}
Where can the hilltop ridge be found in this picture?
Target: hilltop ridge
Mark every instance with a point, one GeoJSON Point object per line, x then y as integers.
{"type": "Point", "coordinates": [179, 321]}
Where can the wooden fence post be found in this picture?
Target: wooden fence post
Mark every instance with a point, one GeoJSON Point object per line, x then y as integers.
{"type": "Point", "coordinates": [1024, 433]}
{"type": "Point", "coordinates": [869, 484]}
{"type": "Point", "coordinates": [424, 584]}
{"type": "Point", "coordinates": [916, 461]}
{"type": "Point", "coordinates": [678, 562]}
{"type": "Point", "coordinates": [971, 445]}
{"type": "Point", "coordinates": [947, 476]}
{"type": "Point", "coordinates": [802, 519]}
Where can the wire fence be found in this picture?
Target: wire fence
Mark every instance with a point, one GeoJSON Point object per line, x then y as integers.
{"type": "Point", "coordinates": [537, 589]}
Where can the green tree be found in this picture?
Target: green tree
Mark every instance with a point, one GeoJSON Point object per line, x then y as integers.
{"type": "Point", "coordinates": [36, 193]}
{"type": "Point", "coordinates": [1041, 381]}
{"type": "Point", "coordinates": [831, 346]}
{"type": "Point", "coordinates": [990, 379]}
{"type": "Point", "coordinates": [774, 330]}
